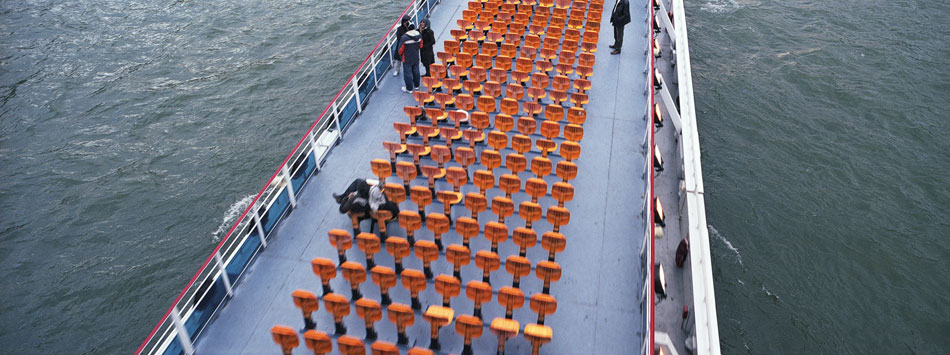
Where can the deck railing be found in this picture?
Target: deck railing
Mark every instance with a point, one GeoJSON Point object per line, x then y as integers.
{"type": "Point", "coordinates": [647, 303]}
{"type": "Point", "coordinates": [211, 287]}
{"type": "Point", "coordinates": [691, 204]}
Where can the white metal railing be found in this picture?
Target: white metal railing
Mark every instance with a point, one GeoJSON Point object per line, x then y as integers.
{"type": "Point", "coordinates": [647, 248]}
{"type": "Point", "coordinates": [209, 288]}
{"type": "Point", "coordinates": [692, 207]}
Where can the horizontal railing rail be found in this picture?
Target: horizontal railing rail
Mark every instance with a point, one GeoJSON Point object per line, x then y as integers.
{"type": "Point", "coordinates": [211, 286]}
{"type": "Point", "coordinates": [692, 211]}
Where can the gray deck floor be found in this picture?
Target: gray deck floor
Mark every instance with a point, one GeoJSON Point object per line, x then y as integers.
{"type": "Point", "coordinates": [598, 310]}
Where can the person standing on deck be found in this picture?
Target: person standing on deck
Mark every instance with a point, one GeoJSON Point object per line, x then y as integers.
{"type": "Point", "coordinates": [401, 30]}
{"type": "Point", "coordinates": [409, 51]}
{"type": "Point", "coordinates": [428, 40]}
{"type": "Point", "coordinates": [619, 17]}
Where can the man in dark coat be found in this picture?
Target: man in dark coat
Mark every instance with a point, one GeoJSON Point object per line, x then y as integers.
{"type": "Point", "coordinates": [428, 40]}
{"type": "Point", "coordinates": [619, 17]}
{"type": "Point", "coordinates": [401, 30]}
{"type": "Point", "coordinates": [409, 51]}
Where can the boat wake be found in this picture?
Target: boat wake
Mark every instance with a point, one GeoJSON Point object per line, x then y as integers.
{"type": "Point", "coordinates": [715, 233]}
{"type": "Point", "coordinates": [230, 216]}
{"type": "Point", "coordinates": [724, 6]}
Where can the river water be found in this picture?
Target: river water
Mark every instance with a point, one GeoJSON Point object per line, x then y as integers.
{"type": "Point", "coordinates": [132, 133]}
{"type": "Point", "coordinates": [826, 158]}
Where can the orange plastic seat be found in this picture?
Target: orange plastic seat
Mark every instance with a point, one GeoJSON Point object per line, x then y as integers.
{"type": "Point", "coordinates": [521, 143]}
{"type": "Point", "coordinates": [503, 62]}
{"type": "Point", "coordinates": [504, 123]}
{"type": "Point", "coordinates": [478, 73]}
{"type": "Point", "coordinates": [475, 203]}
{"type": "Point", "coordinates": [501, 207]}
{"type": "Point", "coordinates": [579, 99]}
{"type": "Point", "coordinates": [509, 183]}
{"type": "Point", "coordinates": [536, 188]}
{"type": "Point", "coordinates": [285, 337]}
{"type": "Point", "coordinates": [527, 126]}
{"type": "Point", "coordinates": [581, 85]}
{"type": "Point", "coordinates": [557, 96]}
{"type": "Point", "coordinates": [446, 58]}
{"type": "Point", "coordinates": [470, 47]}
{"type": "Point", "coordinates": [459, 35]}
{"type": "Point", "coordinates": [520, 77]}
{"type": "Point", "coordinates": [484, 180]}
{"type": "Point", "coordinates": [498, 75]}
{"type": "Point", "coordinates": [444, 99]}
{"type": "Point", "coordinates": [492, 89]}
{"type": "Point", "coordinates": [516, 163]}
{"type": "Point", "coordinates": [486, 103]}
{"type": "Point", "coordinates": [549, 128]}
{"type": "Point", "coordinates": [509, 106]}
{"type": "Point", "coordinates": [465, 156]}
{"type": "Point", "coordinates": [464, 59]}
{"type": "Point", "coordinates": [449, 198]}
{"type": "Point", "coordinates": [558, 216]}
{"type": "Point", "coordinates": [536, 93]}
{"type": "Point", "coordinates": [497, 140]}
{"type": "Point", "coordinates": [515, 91]}
{"type": "Point", "coordinates": [570, 150]}
{"type": "Point", "coordinates": [541, 166]}
{"type": "Point", "coordinates": [523, 64]}
{"type": "Point", "coordinates": [546, 145]}
{"type": "Point", "coordinates": [438, 224]}
{"type": "Point", "coordinates": [422, 97]}
{"type": "Point", "coordinates": [565, 170]}
{"type": "Point", "coordinates": [472, 86]}
{"type": "Point", "coordinates": [512, 298]}
{"type": "Point", "coordinates": [573, 132]}
{"type": "Point", "coordinates": [576, 115]}
{"type": "Point", "coordinates": [490, 159]}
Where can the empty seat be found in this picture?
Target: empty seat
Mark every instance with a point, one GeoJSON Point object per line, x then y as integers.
{"type": "Point", "coordinates": [565, 170]}
{"type": "Point", "coordinates": [504, 123]}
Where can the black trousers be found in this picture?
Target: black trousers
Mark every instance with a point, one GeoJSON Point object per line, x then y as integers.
{"type": "Point", "coordinates": [618, 37]}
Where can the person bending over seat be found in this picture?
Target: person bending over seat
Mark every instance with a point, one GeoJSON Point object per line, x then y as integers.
{"type": "Point", "coordinates": [361, 197]}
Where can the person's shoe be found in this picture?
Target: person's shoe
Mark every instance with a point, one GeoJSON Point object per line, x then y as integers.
{"type": "Point", "coordinates": [404, 90]}
{"type": "Point", "coordinates": [616, 51]}
{"type": "Point", "coordinates": [338, 198]}
{"type": "Point", "coordinates": [612, 46]}
{"type": "Point", "coordinates": [395, 72]}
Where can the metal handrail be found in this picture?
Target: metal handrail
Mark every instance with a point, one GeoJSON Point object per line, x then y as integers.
{"type": "Point", "coordinates": [312, 147]}
{"type": "Point", "coordinates": [704, 298]}
{"type": "Point", "coordinates": [692, 205]}
{"type": "Point", "coordinates": [649, 221]}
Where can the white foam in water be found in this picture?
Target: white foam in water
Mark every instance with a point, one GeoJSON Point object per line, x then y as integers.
{"type": "Point", "coordinates": [721, 6]}
{"type": "Point", "coordinates": [232, 213]}
{"type": "Point", "coordinates": [714, 232]}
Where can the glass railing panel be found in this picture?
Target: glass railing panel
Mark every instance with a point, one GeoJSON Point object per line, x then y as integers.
{"type": "Point", "coordinates": [347, 112]}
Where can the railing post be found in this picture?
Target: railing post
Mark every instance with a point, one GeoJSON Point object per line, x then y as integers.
{"type": "Point", "coordinates": [373, 62]}
{"type": "Point", "coordinates": [183, 337]}
{"type": "Point", "coordinates": [259, 226]}
{"type": "Point", "coordinates": [313, 149]}
{"type": "Point", "coordinates": [224, 274]}
{"type": "Point", "coordinates": [356, 92]}
{"type": "Point", "coordinates": [290, 186]}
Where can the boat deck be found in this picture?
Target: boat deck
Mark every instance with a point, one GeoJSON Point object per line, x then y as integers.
{"type": "Point", "coordinates": [598, 294]}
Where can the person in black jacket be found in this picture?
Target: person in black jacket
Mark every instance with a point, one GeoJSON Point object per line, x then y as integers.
{"type": "Point", "coordinates": [401, 30]}
{"type": "Point", "coordinates": [619, 17]}
{"type": "Point", "coordinates": [409, 51]}
{"type": "Point", "coordinates": [428, 40]}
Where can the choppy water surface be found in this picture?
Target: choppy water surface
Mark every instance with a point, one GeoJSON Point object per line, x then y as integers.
{"type": "Point", "coordinates": [826, 153]}
{"type": "Point", "coordinates": [129, 130]}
